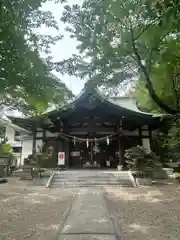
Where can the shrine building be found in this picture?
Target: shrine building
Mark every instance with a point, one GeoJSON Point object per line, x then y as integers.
{"type": "Point", "coordinates": [92, 130]}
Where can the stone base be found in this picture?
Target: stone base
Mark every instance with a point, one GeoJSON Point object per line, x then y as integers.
{"type": "Point", "coordinates": [162, 174]}
{"type": "Point", "coordinates": [26, 177]}
{"type": "Point", "coordinates": [119, 167]}
{"type": "Point", "coordinates": [2, 171]}
{"type": "Point", "coordinates": [27, 172]}
{"type": "Point", "coordinates": [144, 181]}
{"type": "Point", "coordinates": [90, 165]}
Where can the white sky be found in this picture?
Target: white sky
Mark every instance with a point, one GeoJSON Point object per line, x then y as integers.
{"type": "Point", "coordinates": [65, 47]}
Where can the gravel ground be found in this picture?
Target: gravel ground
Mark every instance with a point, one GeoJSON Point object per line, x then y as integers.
{"type": "Point", "coordinates": [151, 213]}
{"type": "Point", "coordinates": [35, 212]}
{"type": "Point", "coordinates": [31, 212]}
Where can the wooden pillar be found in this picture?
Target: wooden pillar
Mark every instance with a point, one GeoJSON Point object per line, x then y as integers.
{"type": "Point", "coordinates": [67, 153]}
{"type": "Point", "coordinates": [140, 136]}
{"type": "Point", "coordinates": [34, 139]}
{"type": "Point", "coordinates": [120, 150]}
{"type": "Point", "coordinates": [150, 138]}
{"type": "Point", "coordinates": [44, 135]}
{"type": "Point", "coordinates": [120, 145]}
{"type": "Point", "coordinates": [44, 140]}
{"type": "Point", "coordinates": [91, 126]}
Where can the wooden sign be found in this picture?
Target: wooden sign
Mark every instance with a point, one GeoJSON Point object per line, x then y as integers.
{"type": "Point", "coordinates": [61, 158]}
{"type": "Point", "coordinates": [108, 163]}
{"type": "Point", "coordinates": [75, 154]}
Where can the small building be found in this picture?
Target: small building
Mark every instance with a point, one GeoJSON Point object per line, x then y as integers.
{"type": "Point", "coordinates": [13, 134]}
{"type": "Point", "coordinates": [92, 130]}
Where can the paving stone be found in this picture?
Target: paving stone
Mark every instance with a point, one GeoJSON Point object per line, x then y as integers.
{"type": "Point", "coordinates": [88, 218]}
{"type": "Point", "coordinates": [89, 214]}
{"type": "Point", "coordinates": [87, 237]}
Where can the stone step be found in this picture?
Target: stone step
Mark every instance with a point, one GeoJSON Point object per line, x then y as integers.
{"type": "Point", "coordinates": [90, 178]}
{"type": "Point", "coordinates": [54, 185]}
{"type": "Point", "coordinates": [92, 182]}
{"type": "Point", "coordinates": [85, 177]}
{"type": "Point", "coordinates": [94, 177]}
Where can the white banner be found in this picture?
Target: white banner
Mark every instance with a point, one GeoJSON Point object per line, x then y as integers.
{"type": "Point", "coordinates": [61, 158]}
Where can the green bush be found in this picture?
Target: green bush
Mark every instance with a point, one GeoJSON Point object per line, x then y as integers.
{"type": "Point", "coordinates": [142, 162]}
{"type": "Point", "coordinates": [6, 151]}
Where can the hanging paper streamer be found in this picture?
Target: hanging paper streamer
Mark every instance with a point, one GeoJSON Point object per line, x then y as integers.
{"type": "Point", "coordinates": [78, 139]}
{"type": "Point", "coordinates": [87, 142]}
{"type": "Point", "coordinates": [107, 140]}
{"type": "Point", "coordinates": [74, 141]}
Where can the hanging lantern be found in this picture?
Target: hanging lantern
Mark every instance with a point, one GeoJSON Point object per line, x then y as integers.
{"type": "Point", "coordinates": [107, 140]}
{"type": "Point", "coordinates": [87, 142]}
{"type": "Point", "coordinates": [74, 141]}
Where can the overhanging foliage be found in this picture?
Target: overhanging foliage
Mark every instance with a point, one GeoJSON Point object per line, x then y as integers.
{"type": "Point", "coordinates": [26, 81]}
{"type": "Point", "coordinates": [122, 40]}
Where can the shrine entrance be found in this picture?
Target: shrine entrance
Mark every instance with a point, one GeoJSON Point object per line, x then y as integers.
{"type": "Point", "coordinates": [95, 154]}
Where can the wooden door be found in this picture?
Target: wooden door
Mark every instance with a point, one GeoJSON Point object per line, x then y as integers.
{"type": "Point", "coordinates": [75, 155]}
{"type": "Point", "coordinates": [85, 153]}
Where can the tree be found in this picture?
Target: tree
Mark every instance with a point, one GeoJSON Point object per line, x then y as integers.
{"type": "Point", "coordinates": [122, 41]}
{"type": "Point", "coordinates": [165, 79]}
{"type": "Point", "coordinates": [26, 79]}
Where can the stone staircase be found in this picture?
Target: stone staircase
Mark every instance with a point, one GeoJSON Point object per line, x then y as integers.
{"type": "Point", "coordinates": [88, 178]}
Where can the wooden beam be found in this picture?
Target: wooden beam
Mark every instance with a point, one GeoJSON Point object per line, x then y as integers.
{"type": "Point", "coordinates": [95, 129]}
{"type": "Point", "coordinates": [150, 137]}
{"type": "Point", "coordinates": [84, 136]}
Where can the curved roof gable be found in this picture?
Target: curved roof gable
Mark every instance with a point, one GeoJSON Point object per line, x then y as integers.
{"type": "Point", "coordinates": [126, 104]}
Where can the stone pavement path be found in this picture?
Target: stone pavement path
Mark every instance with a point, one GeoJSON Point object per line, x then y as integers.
{"type": "Point", "coordinates": [88, 218]}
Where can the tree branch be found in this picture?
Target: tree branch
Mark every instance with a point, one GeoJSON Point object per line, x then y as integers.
{"type": "Point", "coordinates": [148, 26]}
{"type": "Point", "coordinates": [149, 85]}
{"type": "Point", "coordinates": [175, 90]}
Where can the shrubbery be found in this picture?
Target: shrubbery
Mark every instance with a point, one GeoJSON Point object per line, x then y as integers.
{"type": "Point", "coordinates": [142, 162]}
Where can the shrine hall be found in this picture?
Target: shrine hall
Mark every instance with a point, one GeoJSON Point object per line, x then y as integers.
{"type": "Point", "coordinates": [92, 130]}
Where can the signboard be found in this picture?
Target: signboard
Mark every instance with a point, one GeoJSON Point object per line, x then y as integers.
{"type": "Point", "coordinates": [75, 154]}
{"type": "Point", "coordinates": [61, 158]}
{"type": "Point", "coordinates": [108, 163]}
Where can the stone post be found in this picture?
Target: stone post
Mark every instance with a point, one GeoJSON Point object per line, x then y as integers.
{"type": "Point", "coordinates": [67, 153]}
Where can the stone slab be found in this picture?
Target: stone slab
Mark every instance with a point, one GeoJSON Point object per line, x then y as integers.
{"type": "Point", "coordinates": [87, 237]}
{"type": "Point", "coordinates": [88, 214]}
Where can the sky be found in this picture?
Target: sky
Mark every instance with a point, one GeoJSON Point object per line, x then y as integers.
{"type": "Point", "coordinates": [65, 47]}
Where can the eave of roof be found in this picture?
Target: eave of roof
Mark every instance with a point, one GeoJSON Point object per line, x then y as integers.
{"type": "Point", "coordinates": [6, 122]}
{"type": "Point", "coordinates": [126, 103]}
{"type": "Point", "coordinates": [120, 103]}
